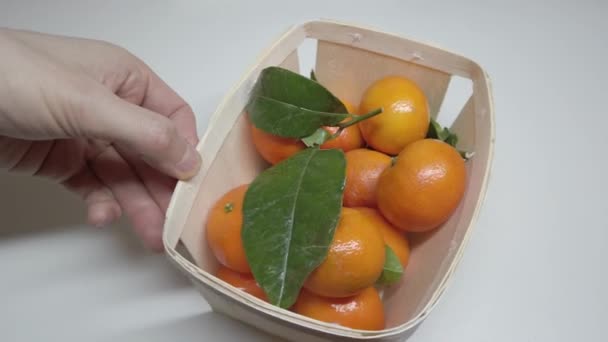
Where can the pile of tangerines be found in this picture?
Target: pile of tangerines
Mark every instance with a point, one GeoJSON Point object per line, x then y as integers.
{"type": "Point", "coordinates": [398, 182]}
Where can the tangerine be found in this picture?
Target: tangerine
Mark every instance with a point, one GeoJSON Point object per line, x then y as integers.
{"type": "Point", "coordinates": [224, 226]}
{"type": "Point", "coordinates": [272, 148]}
{"type": "Point", "coordinates": [275, 149]}
{"type": "Point", "coordinates": [243, 282]}
{"type": "Point", "coordinates": [404, 118]}
{"type": "Point", "coordinates": [364, 310]}
{"type": "Point", "coordinates": [363, 168]}
{"type": "Point", "coordinates": [424, 186]}
{"type": "Point", "coordinates": [355, 258]}
{"type": "Point", "coordinates": [349, 139]}
{"type": "Point", "coordinates": [393, 237]}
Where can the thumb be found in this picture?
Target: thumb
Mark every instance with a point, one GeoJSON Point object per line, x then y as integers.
{"type": "Point", "coordinates": [151, 135]}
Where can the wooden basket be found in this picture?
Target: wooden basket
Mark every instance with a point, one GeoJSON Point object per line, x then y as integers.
{"type": "Point", "coordinates": [348, 59]}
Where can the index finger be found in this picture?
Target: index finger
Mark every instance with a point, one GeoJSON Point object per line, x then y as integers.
{"type": "Point", "coordinates": [161, 98]}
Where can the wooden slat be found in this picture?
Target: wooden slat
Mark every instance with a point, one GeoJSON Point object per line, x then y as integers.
{"type": "Point", "coordinates": [392, 45]}
{"type": "Point", "coordinates": [464, 126]}
{"type": "Point", "coordinates": [347, 71]}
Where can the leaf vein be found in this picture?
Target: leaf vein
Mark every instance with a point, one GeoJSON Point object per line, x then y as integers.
{"type": "Point", "coordinates": [292, 220]}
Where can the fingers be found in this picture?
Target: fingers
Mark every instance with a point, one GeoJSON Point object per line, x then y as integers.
{"type": "Point", "coordinates": [32, 158]}
{"type": "Point", "coordinates": [64, 159]}
{"type": "Point", "coordinates": [103, 209]}
{"type": "Point", "coordinates": [12, 151]}
{"type": "Point", "coordinates": [102, 206]}
{"type": "Point", "coordinates": [145, 216]}
{"type": "Point", "coordinates": [185, 123]}
{"type": "Point", "coordinates": [160, 98]}
{"type": "Point", "coordinates": [152, 136]}
{"type": "Point", "coordinates": [159, 186]}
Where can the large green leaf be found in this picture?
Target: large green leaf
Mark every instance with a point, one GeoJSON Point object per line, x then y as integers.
{"type": "Point", "coordinates": [287, 86]}
{"type": "Point", "coordinates": [288, 104]}
{"type": "Point", "coordinates": [286, 120]}
{"type": "Point", "coordinates": [393, 270]}
{"type": "Point", "coordinates": [290, 213]}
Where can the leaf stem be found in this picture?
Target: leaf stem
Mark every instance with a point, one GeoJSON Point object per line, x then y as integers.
{"type": "Point", "coordinates": [358, 118]}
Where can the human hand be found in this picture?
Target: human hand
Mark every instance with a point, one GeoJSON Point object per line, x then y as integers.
{"type": "Point", "coordinates": [97, 120]}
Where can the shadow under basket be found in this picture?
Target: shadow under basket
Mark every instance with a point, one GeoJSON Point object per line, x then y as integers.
{"type": "Point", "coordinates": [348, 59]}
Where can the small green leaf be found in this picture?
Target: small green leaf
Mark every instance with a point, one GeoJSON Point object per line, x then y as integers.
{"type": "Point", "coordinates": [312, 75]}
{"type": "Point", "coordinates": [228, 207]}
{"type": "Point", "coordinates": [393, 270]}
{"type": "Point", "coordinates": [444, 134]}
{"type": "Point", "coordinates": [290, 213]}
{"type": "Point", "coordinates": [435, 131]}
{"type": "Point", "coordinates": [287, 104]}
{"type": "Point", "coordinates": [319, 137]}
{"type": "Point", "coordinates": [451, 139]}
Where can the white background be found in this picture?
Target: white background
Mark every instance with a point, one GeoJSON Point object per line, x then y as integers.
{"type": "Point", "coordinates": [535, 268]}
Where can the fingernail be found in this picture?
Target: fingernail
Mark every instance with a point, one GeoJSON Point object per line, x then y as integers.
{"type": "Point", "coordinates": [101, 217]}
{"type": "Point", "coordinates": [102, 220]}
{"type": "Point", "coordinates": [190, 163]}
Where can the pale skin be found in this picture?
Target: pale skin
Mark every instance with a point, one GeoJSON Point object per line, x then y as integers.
{"type": "Point", "coordinates": [97, 120]}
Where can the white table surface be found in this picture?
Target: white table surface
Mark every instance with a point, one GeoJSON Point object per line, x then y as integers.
{"type": "Point", "coordinates": [535, 269]}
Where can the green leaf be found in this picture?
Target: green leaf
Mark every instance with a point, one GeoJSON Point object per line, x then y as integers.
{"type": "Point", "coordinates": [452, 139]}
{"type": "Point", "coordinates": [393, 270]}
{"type": "Point", "coordinates": [290, 213]}
{"type": "Point", "coordinates": [435, 131]}
{"type": "Point", "coordinates": [287, 86]}
{"type": "Point", "coordinates": [288, 104]}
{"type": "Point", "coordinates": [319, 137]}
{"type": "Point", "coordinates": [287, 120]}
{"type": "Point", "coordinates": [313, 76]}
